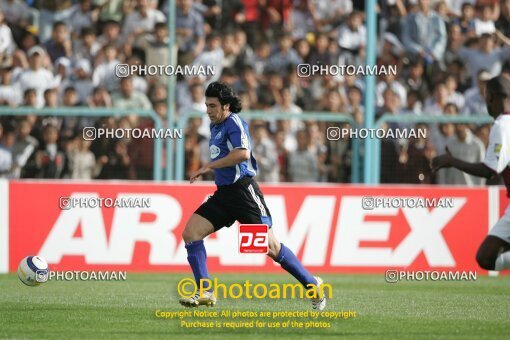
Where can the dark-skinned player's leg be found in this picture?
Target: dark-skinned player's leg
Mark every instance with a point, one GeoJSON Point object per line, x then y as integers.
{"type": "Point", "coordinates": [494, 254]}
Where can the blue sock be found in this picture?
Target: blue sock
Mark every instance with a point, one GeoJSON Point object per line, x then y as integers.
{"type": "Point", "coordinates": [290, 263]}
{"type": "Point", "coordinates": [197, 258]}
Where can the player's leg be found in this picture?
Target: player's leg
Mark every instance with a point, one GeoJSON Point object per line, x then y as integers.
{"type": "Point", "coordinates": [251, 208]}
{"type": "Point", "coordinates": [286, 258]}
{"type": "Point", "coordinates": [207, 219]}
{"type": "Point", "coordinates": [494, 252]}
{"type": "Point", "coordinates": [193, 235]}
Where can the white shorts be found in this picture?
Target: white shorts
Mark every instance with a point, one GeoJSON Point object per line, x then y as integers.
{"type": "Point", "coordinates": [502, 227]}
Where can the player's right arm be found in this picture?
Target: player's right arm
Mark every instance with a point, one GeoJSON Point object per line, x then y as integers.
{"type": "Point", "coordinates": [496, 159]}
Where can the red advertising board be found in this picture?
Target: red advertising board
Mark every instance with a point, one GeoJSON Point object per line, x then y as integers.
{"type": "Point", "coordinates": [330, 228]}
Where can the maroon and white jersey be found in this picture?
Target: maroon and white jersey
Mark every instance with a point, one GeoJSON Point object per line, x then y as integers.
{"type": "Point", "coordinates": [497, 156]}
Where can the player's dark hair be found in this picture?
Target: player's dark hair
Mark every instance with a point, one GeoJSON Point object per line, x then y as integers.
{"type": "Point", "coordinates": [499, 86]}
{"type": "Point", "coordinates": [225, 95]}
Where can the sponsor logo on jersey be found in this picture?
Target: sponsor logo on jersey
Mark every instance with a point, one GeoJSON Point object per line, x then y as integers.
{"type": "Point", "coordinates": [497, 148]}
{"type": "Point", "coordinates": [215, 151]}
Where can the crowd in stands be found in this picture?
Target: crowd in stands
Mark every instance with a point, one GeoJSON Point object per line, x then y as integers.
{"type": "Point", "coordinates": [63, 53]}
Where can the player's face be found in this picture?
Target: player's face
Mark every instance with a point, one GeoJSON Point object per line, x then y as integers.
{"type": "Point", "coordinates": [216, 112]}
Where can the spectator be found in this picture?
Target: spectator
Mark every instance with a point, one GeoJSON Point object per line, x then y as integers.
{"type": "Point", "coordinates": [9, 92]}
{"type": "Point", "coordinates": [389, 81]}
{"type": "Point", "coordinates": [475, 101]}
{"type": "Point", "coordinates": [82, 162]}
{"type": "Point", "coordinates": [49, 160]}
{"type": "Point", "coordinates": [391, 104]}
{"type": "Point", "coordinates": [127, 98]}
{"type": "Point", "coordinates": [110, 35]}
{"type": "Point", "coordinates": [303, 165]}
{"type": "Point", "coordinates": [285, 55]}
{"type": "Point", "coordinates": [486, 56]}
{"type": "Point", "coordinates": [454, 96]}
{"type": "Point", "coordinates": [320, 53]}
{"type": "Point", "coordinates": [87, 47]}
{"type": "Point", "coordinates": [141, 21]}
{"type": "Point", "coordinates": [81, 17]}
{"type": "Point", "coordinates": [37, 77]}
{"type": "Point", "coordinates": [7, 44]}
{"type": "Point", "coordinates": [230, 51]}
{"type": "Point", "coordinates": [24, 146]}
{"type": "Point", "coordinates": [424, 34]}
{"type": "Point", "coordinates": [189, 31]}
{"type": "Point", "coordinates": [466, 22]}
{"type": "Point", "coordinates": [50, 12]}
{"type": "Point", "coordinates": [155, 47]}
{"type": "Point", "coordinates": [301, 19]}
{"type": "Point", "coordinates": [503, 22]}
{"type": "Point", "coordinates": [7, 139]}
{"type": "Point", "coordinates": [104, 74]}
{"type": "Point", "coordinates": [17, 14]}
{"type": "Point", "coordinates": [446, 130]}
{"type": "Point", "coordinates": [286, 105]}
{"type": "Point", "coordinates": [415, 80]}
{"type": "Point", "coordinates": [327, 15]}
{"type": "Point", "coordinates": [60, 43]}
{"type": "Point", "coordinates": [99, 98]}
{"type": "Point", "coordinates": [467, 147]}
{"type": "Point", "coordinates": [415, 160]}
{"type": "Point", "coordinates": [352, 35]}
{"type": "Point", "coordinates": [264, 151]}
{"type": "Point", "coordinates": [484, 24]}
{"type": "Point", "coordinates": [261, 59]}
{"type": "Point", "coordinates": [116, 163]}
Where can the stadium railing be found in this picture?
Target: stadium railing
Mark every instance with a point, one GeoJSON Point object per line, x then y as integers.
{"type": "Point", "coordinates": [95, 112]}
{"type": "Point", "coordinates": [264, 115]}
{"type": "Point", "coordinates": [390, 118]}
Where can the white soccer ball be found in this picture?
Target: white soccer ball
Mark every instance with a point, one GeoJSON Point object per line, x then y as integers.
{"type": "Point", "coordinates": [33, 270]}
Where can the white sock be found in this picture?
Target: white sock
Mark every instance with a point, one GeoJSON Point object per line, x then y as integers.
{"type": "Point", "coordinates": [502, 261]}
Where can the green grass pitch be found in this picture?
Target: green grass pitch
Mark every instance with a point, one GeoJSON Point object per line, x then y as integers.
{"type": "Point", "coordinates": [126, 309]}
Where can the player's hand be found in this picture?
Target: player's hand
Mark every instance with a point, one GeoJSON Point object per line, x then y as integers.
{"type": "Point", "coordinates": [442, 161]}
{"type": "Point", "coordinates": [203, 170]}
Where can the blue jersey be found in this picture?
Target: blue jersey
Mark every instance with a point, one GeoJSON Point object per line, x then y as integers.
{"type": "Point", "coordinates": [231, 134]}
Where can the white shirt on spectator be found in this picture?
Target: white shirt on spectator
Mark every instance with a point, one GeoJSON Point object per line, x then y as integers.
{"type": "Point", "coordinates": [5, 162]}
{"type": "Point", "coordinates": [398, 88]}
{"type": "Point", "coordinates": [352, 40]}
{"type": "Point", "coordinates": [211, 58]}
{"type": "Point", "coordinates": [136, 21]}
{"type": "Point", "coordinates": [11, 94]}
{"type": "Point", "coordinates": [329, 9]}
{"type": "Point", "coordinates": [482, 27]}
{"type": "Point", "coordinates": [7, 44]}
{"type": "Point", "coordinates": [40, 80]}
{"type": "Point", "coordinates": [104, 75]}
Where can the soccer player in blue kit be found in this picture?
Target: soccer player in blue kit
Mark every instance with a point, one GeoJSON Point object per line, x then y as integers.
{"type": "Point", "coordinates": [237, 198]}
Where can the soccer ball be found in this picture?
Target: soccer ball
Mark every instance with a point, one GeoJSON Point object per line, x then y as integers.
{"type": "Point", "coordinates": [33, 270]}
